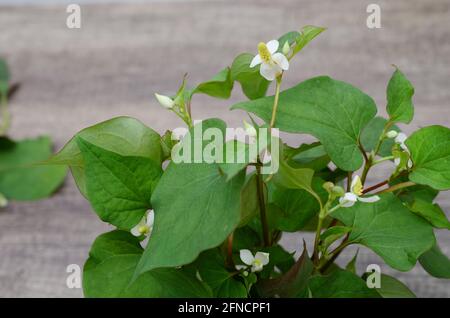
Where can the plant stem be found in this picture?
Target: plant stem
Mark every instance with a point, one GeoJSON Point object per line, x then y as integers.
{"type": "Point", "coordinates": [382, 160]}
{"type": "Point", "coordinates": [230, 262]}
{"type": "Point", "coordinates": [275, 102]}
{"type": "Point", "coordinates": [262, 207]}
{"type": "Point", "coordinates": [397, 186]}
{"type": "Point", "coordinates": [334, 254]}
{"type": "Point", "coordinates": [376, 186]}
{"type": "Point", "coordinates": [349, 180]}
{"type": "Point", "coordinates": [317, 238]}
{"type": "Point", "coordinates": [6, 116]}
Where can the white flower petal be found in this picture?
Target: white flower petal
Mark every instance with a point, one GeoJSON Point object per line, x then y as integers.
{"type": "Point", "coordinates": [371, 199]}
{"type": "Point", "coordinates": [263, 257]}
{"type": "Point", "coordinates": [256, 60]}
{"type": "Point", "coordinates": [269, 71]}
{"type": "Point", "coordinates": [150, 218]}
{"type": "Point", "coordinates": [397, 161]}
{"type": "Point", "coordinates": [165, 101]}
{"type": "Point", "coordinates": [257, 267]}
{"type": "Point", "coordinates": [281, 61]}
{"type": "Point", "coordinates": [246, 257]}
{"type": "Point", "coordinates": [354, 181]}
{"type": "Point", "coordinates": [272, 46]}
{"type": "Point", "coordinates": [348, 200]}
{"type": "Point", "coordinates": [401, 137]}
{"type": "Point", "coordinates": [135, 230]}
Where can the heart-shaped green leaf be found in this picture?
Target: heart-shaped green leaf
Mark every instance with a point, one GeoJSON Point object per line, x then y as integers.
{"type": "Point", "coordinates": [333, 111]}
{"type": "Point", "coordinates": [430, 153]}
{"type": "Point", "coordinates": [389, 229]}
{"type": "Point", "coordinates": [118, 187]}
{"type": "Point", "coordinates": [22, 177]}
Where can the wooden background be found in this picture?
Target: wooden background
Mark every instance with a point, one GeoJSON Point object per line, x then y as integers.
{"type": "Point", "coordinates": [125, 52]}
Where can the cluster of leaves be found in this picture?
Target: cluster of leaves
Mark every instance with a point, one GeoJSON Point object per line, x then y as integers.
{"type": "Point", "coordinates": [206, 213]}
{"type": "Point", "coordinates": [22, 177]}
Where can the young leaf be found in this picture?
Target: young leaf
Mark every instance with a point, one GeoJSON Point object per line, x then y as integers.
{"type": "Point", "coordinates": [430, 212]}
{"type": "Point", "coordinates": [125, 136]}
{"type": "Point", "coordinates": [333, 111]}
{"type": "Point", "coordinates": [292, 178]}
{"type": "Point", "coordinates": [22, 177]}
{"type": "Point", "coordinates": [391, 287]}
{"type": "Point", "coordinates": [399, 98]}
{"type": "Point", "coordinates": [389, 229]}
{"type": "Point", "coordinates": [253, 84]}
{"type": "Point", "coordinates": [372, 133]}
{"type": "Point", "coordinates": [307, 34]}
{"type": "Point", "coordinates": [435, 262]}
{"type": "Point", "coordinates": [292, 209]}
{"type": "Point", "coordinates": [118, 187]}
{"type": "Point", "coordinates": [332, 234]}
{"type": "Point", "coordinates": [340, 284]}
{"type": "Point", "coordinates": [219, 86]}
{"type": "Point", "coordinates": [430, 153]}
{"type": "Point", "coordinates": [211, 267]}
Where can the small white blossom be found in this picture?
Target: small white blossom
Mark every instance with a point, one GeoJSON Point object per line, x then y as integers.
{"type": "Point", "coordinates": [165, 101]}
{"type": "Point", "coordinates": [391, 134]}
{"type": "Point", "coordinates": [272, 63]}
{"type": "Point", "coordinates": [145, 226]}
{"type": "Point", "coordinates": [256, 262]}
{"type": "Point", "coordinates": [400, 139]}
{"type": "Point", "coordinates": [355, 194]}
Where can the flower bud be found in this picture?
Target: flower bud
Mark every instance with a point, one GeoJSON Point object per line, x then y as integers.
{"type": "Point", "coordinates": [328, 186]}
{"type": "Point", "coordinates": [286, 48]}
{"type": "Point", "coordinates": [338, 191]}
{"type": "Point", "coordinates": [165, 101]}
{"type": "Point", "coordinates": [391, 134]}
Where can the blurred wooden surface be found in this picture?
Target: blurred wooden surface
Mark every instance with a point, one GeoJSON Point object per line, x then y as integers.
{"type": "Point", "coordinates": [124, 53]}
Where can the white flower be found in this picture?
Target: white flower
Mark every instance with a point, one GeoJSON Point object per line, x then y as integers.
{"type": "Point", "coordinates": [391, 134]}
{"type": "Point", "coordinates": [400, 139]}
{"type": "Point", "coordinates": [356, 191]}
{"type": "Point", "coordinates": [145, 226]}
{"type": "Point", "coordinates": [272, 64]}
{"type": "Point", "coordinates": [165, 101]}
{"type": "Point", "coordinates": [256, 262]}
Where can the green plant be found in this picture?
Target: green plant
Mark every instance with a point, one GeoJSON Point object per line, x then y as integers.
{"type": "Point", "coordinates": [21, 175]}
{"type": "Point", "coordinates": [214, 224]}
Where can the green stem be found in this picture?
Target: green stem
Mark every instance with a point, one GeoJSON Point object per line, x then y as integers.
{"type": "Point", "coordinates": [370, 160]}
{"type": "Point", "coordinates": [6, 116]}
{"type": "Point", "coordinates": [275, 102]}
{"type": "Point", "coordinates": [262, 207]}
{"type": "Point", "coordinates": [397, 186]}
{"type": "Point", "coordinates": [317, 237]}
{"type": "Point", "coordinates": [382, 160]}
